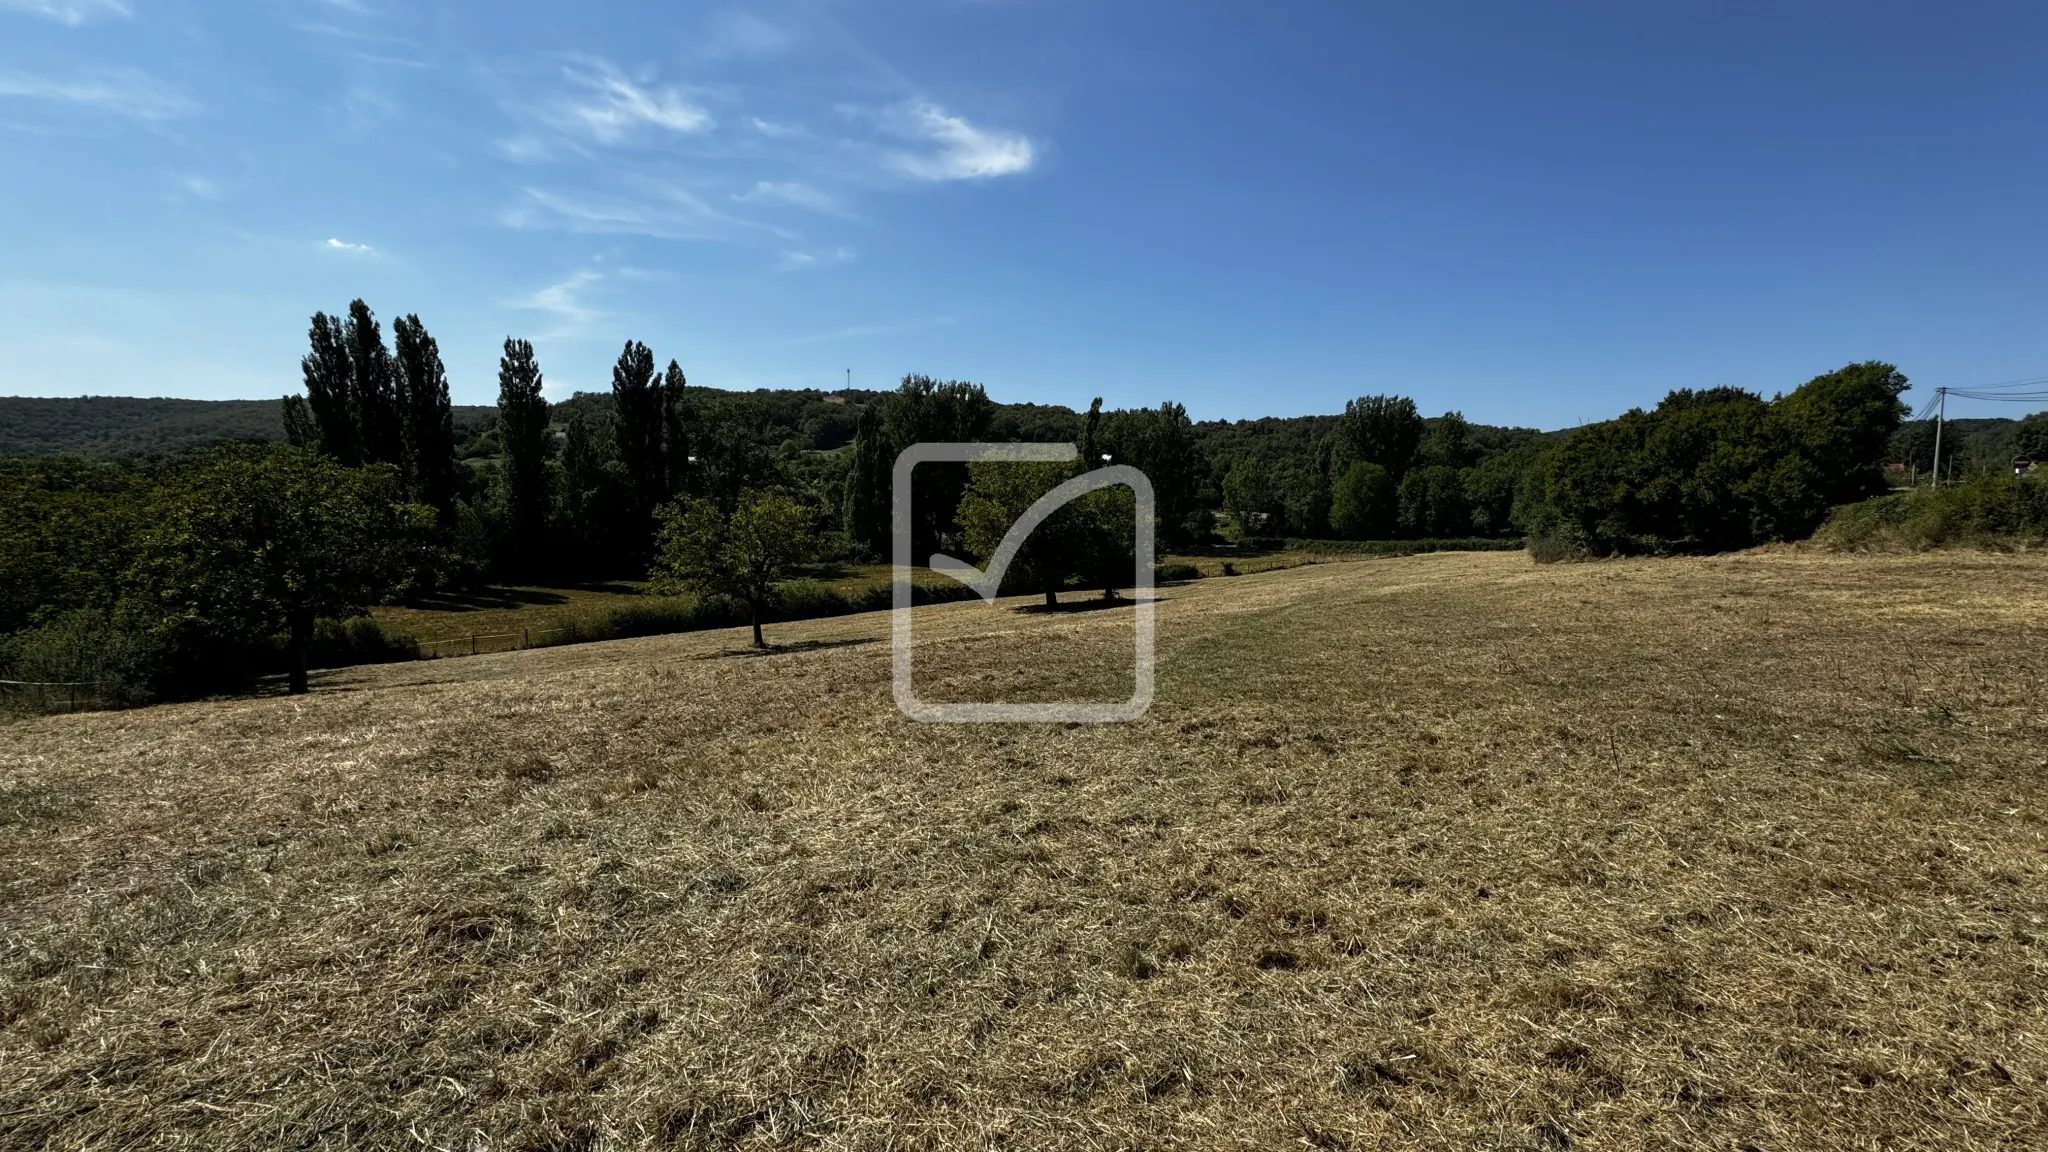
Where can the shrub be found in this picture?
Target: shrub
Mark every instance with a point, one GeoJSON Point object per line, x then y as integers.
{"type": "Point", "coordinates": [1982, 512]}
{"type": "Point", "coordinates": [122, 664]}
{"type": "Point", "coordinates": [1168, 573]}
{"type": "Point", "coordinates": [1549, 548]}
{"type": "Point", "coordinates": [357, 640]}
{"type": "Point", "coordinates": [1405, 547]}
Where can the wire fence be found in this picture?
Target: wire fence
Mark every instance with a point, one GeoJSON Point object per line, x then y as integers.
{"type": "Point", "coordinates": [479, 643]}
{"type": "Point", "coordinates": [50, 695]}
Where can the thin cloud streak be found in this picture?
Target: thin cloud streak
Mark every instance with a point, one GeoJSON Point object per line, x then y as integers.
{"type": "Point", "coordinates": [794, 193]}
{"type": "Point", "coordinates": [564, 301]}
{"type": "Point", "coordinates": [965, 152]}
{"type": "Point", "coordinates": [124, 92]}
{"type": "Point", "coordinates": [616, 106]}
{"type": "Point", "coordinates": [71, 12]}
{"type": "Point", "coordinates": [664, 212]}
{"type": "Point", "coordinates": [798, 261]}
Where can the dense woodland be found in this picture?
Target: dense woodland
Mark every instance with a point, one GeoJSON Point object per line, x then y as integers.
{"type": "Point", "coordinates": [192, 570]}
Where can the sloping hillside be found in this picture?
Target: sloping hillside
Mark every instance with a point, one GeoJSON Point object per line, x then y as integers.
{"type": "Point", "coordinates": [135, 426]}
{"type": "Point", "coordinates": [1447, 852]}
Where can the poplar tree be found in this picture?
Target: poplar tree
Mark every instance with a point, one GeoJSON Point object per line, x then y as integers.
{"type": "Point", "coordinates": [523, 429]}
{"type": "Point", "coordinates": [429, 418]}
{"type": "Point", "coordinates": [867, 513]}
{"type": "Point", "coordinates": [675, 438]}
{"type": "Point", "coordinates": [380, 426]}
{"type": "Point", "coordinates": [329, 390]}
{"type": "Point", "coordinates": [637, 424]}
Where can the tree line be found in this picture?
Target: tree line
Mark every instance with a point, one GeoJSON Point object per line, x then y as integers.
{"type": "Point", "coordinates": [200, 570]}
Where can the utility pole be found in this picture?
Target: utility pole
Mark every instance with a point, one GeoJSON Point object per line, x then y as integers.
{"type": "Point", "coordinates": [1940, 413]}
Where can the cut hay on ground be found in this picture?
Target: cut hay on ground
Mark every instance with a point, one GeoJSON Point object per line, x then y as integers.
{"type": "Point", "coordinates": [1448, 852]}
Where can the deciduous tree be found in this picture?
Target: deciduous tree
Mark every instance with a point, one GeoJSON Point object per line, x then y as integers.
{"type": "Point", "coordinates": [744, 554]}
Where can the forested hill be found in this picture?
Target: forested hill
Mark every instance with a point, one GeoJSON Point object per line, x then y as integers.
{"type": "Point", "coordinates": [134, 426]}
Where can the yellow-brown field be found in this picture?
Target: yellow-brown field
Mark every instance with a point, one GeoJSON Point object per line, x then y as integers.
{"type": "Point", "coordinates": [1450, 851]}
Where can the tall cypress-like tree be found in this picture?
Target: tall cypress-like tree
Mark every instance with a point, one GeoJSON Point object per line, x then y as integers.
{"type": "Point", "coordinates": [637, 403]}
{"type": "Point", "coordinates": [300, 429]}
{"type": "Point", "coordinates": [867, 485]}
{"type": "Point", "coordinates": [1091, 439]}
{"type": "Point", "coordinates": [523, 429]}
{"type": "Point", "coordinates": [429, 418]}
{"type": "Point", "coordinates": [675, 435]}
{"type": "Point", "coordinates": [380, 425]}
{"type": "Point", "coordinates": [330, 390]}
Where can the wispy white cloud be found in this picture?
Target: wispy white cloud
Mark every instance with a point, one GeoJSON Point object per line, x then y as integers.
{"type": "Point", "coordinates": [564, 301]}
{"type": "Point", "coordinates": [659, 210]}
{"type": "Point", "coordinates": [860, 331]}
{"type": "Point", "coordinates": [335, 245]}
{"type": "Point", "coordinates": [123, 91]}
{"type": "Point", "coordinates": [774, 130]}
{"type": "Point", "coordinates": [613, 106]}
{"type": "Point", "coordinates": [199, 186]}
{"type": "Point", "coordinates": [793, 261]}
{"type": "Point", "coordinates": [962, 150]}
{"type": "Point", "coordinates": [73, 12]}
{"type": "Point", "coordinates": [793, 193]}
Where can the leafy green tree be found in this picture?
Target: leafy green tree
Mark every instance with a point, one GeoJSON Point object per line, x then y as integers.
{"type": "Point", "coordinates": [732, 458]}
{"type": "Point", "coordinates": [1160, 443]}
{"type": "Point", "coordinates": [743, 554]}
{"type": "Point", "coordinates": [1841, 423]}
{"type": "Point", "coordinates": [2030, 439]}
{"type": "Point", "coordinates": [1248, 497]}
{"type": "Point", "coordinates": [867, 513]}
{"type": "Point", "coordinates": [257, 541]}
{"type": "Point", "coordinates": [330, 390]}
{"type": "Point", "coordinates": [1432, 503]}
{"type": "Point", "coordinates": [300, 429]}
{"type": "Point", "coordinates": [429, 419]}
{"type": "Point", "coordinates": [67, 530]}
{"type": "Point", "coordinates": [925, 411]}
{"type": "Point", "coordinates": [1447, 441]}
{"type": "Point", "coordinates": [1089, 540]}
{"type": "Point", "coordinates": [1362, 502]}
{"type": "Point", "coordinates": [523, 428]}
{"type": "Point", "coordinates": [594, 497]}
{"type": "Point", "coordinates": [373, 387]}
{"type": "Point", "coordinates": [1383, 430]}
{"type": "Point", "coordinates": [1493, 485]}
{"type": "Point", "coordinates": [1721, 468]}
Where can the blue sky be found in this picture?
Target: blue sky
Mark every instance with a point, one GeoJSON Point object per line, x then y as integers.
{"type": "Point", "coordinates": [1535, 213]}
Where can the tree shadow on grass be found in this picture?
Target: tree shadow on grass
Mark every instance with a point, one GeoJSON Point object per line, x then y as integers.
{"type": "Point", "coordinates": [1090, 604]}
{"type": "Point", "coordinates": [785, 649]}
{"type": "Point", "coordinates": [498, 597]}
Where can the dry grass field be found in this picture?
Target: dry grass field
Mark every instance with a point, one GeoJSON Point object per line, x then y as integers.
{"type": "Point", "coordinates": [1450, 851]}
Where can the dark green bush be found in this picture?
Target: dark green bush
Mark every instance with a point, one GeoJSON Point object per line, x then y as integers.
{"type": "Point", "coordinates": [121, 664]}
{"type": "Point", "coordinates": [357, 640]}
{"type": "Point", "coordinates": [1405, 547]}
{"type": "Point", "coordinates": [1982, 512]}
{"type": "Point", "coordinates": [1168, 573]}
